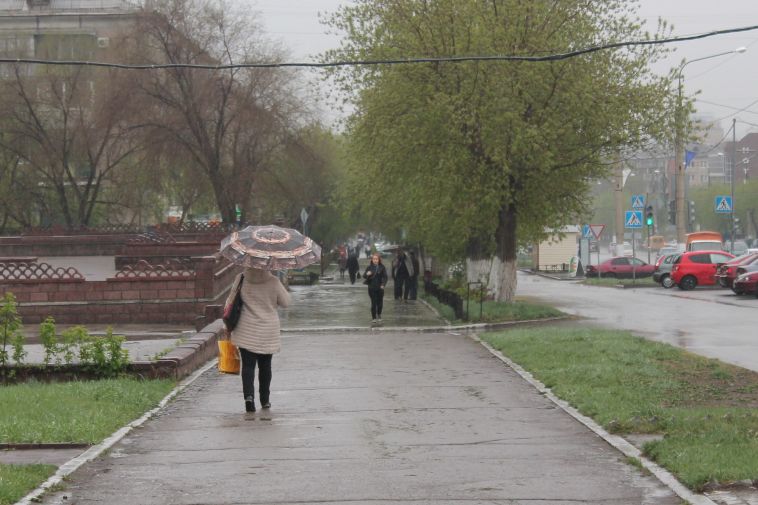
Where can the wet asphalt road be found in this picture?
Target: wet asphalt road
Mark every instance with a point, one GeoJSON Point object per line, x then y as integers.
{"type": "Point", "coordinates": [711, 322]}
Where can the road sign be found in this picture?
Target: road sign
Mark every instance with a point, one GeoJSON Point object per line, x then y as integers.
{"type": "Point", "coordinates": [723, 204]}
{"type": "Point", "coordinates": [586, 231]}
{"type": "Point", "coordinates": [638, 201]}
{"type": "Point", "coordinates": [633, 219]}
{"type": "Point", "coordinates": [597, 230]}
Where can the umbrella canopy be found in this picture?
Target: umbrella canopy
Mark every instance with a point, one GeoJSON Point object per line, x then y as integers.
{"type": "Point", "coordinates": [270, 248]}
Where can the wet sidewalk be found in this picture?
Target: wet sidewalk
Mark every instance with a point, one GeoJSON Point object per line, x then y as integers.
{"type": "Point", "coordinates": [362, 418]}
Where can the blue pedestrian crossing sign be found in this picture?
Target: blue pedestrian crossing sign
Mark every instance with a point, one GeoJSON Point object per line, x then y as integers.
{"type": "Point", "coordinates": [633, 219]}
{"type": "Point", "coordinates": [638, 201]}
{"type": "Point", "coordinates": [724, 204]}
{"type": "Point", "coordinates": [587, 231]}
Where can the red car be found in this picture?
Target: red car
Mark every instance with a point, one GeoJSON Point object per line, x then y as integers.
{"type": "Point", "coordinates": [698, 268]}
{"type": "Point", "coordinates": [746, 284]}
{"type": "Point", "coordinates": [726, 273]}
{"type": "Point", "coordinates": [621, 266]}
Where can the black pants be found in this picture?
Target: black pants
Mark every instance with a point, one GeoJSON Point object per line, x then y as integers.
{"type": "Point", "coordinates": [352, 276]}
{"type": "Point", "coordinates": [248, 373]}
{"type": "Point", "coordinates": [377, 302]}
{"type": "Point", "coordinates": [402, 286]}
{"type": "Point", "coordinates": [412, 291]}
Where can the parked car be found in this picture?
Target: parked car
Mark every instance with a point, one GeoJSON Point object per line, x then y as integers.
{"type": "Point", "coordinates": [620, 266]}
{"type": "Point", "coordinates": [697, 268]}
{"type": "Point", "coordinates": [670, 249]}
{"type": "Point", "coordinates": [740, 248]}
{"type": "Point", "coordinates": [743, 270]}
{"type": "Point", "coordinates": [662, 273]}
{"type": "Point", "coordinates": [726, 273]}
{"type": "Point", "coordinates": [746, 284]}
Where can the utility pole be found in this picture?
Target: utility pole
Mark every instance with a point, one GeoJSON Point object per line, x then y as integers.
{"type": "Point", "coordinates": [619, 194]}
{"type": "Point", "coordinates": [681, 220]}
{"type": "Point", "coordinates": [734, 163]}
{"type": "Point", "coordinates": [679, 144]}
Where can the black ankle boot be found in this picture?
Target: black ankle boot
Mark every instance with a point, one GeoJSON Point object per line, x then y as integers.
{"type": "Point", "coordinates": [249, 404]}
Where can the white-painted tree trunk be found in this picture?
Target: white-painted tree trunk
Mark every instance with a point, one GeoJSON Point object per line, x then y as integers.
{"type": "Point", "coordinates": [498, 276]}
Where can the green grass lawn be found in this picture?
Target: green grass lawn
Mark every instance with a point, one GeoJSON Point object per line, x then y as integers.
{"type": "Point", "coordinates": [76, 412]}
{"type": "Point", "coordinates": [81, 412]}
{"type": "Point", "coordinates": [605, 281]}
{"type": "Point", "coordinates": [17, 480]}
{"type": "Point", "coordinates": [707, 410]}
{"type": "Point", "coordinates": [496, 312]}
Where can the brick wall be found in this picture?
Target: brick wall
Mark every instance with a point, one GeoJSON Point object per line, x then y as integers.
{"type": "Point", "coordinates": [125, 300]}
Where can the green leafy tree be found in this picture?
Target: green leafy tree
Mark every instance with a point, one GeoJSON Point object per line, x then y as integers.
{"type": "Point", "coordinates": [475, 157]}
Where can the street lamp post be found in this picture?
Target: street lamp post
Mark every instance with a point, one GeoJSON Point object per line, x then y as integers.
{"type": "Point", "coordinates": [734, 164]}
{"type": "Point", "coordinates": [681, 224]}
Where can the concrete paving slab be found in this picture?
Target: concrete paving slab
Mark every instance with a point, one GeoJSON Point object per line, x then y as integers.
{"type": "Point", "coordinates": [359, 418]}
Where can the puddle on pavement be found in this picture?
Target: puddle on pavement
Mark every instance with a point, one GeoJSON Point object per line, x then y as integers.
{"type": "Point", "coordinates": [346, 305]}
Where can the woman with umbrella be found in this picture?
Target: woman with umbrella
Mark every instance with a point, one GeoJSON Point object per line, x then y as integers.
{"type": "Point", "coordinates": [261, 249]}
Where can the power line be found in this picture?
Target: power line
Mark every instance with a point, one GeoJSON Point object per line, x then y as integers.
{"type": "Point", "coordinates": [443, 59]}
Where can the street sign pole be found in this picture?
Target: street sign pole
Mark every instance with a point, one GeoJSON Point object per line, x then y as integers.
{"type": "Point", "coordinates": [634, 256]}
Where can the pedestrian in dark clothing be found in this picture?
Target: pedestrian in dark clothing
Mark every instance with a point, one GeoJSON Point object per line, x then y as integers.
{"type": "Point", "coordinates": [402, 271]}
{"type": "Point", "coordinates": [352, 265]}
{"type": "Point", "coordinates": [376, 278]}
{"type": "Point", "coordinates": [413, 291]}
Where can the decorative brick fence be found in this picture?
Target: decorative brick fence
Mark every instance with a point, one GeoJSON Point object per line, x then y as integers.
{"type": "Point", "coordinates": [140, 292]}
{"type": "Point", "coordinates": [164, 240]}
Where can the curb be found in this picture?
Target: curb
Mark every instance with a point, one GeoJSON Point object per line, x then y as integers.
{"type": "Point", "coordinates": [425, 329]}
{"type": "Point", "coordinates": [96, 450]}
{"type": "Point", "coordinates": [619, 443]}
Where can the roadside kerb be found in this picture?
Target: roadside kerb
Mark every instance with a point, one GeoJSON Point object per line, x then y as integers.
{"type": "Point", "coordinates": [430, 329]}
{"type": "Point", "coordinates": [615, 441]}
{"type": "Point", "coordinates": [96, 450]}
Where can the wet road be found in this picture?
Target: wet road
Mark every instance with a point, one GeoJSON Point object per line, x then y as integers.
{"type": "Point", "coordinates": [710, 322]}
{"type": "Point", "coordinates": [344, 305]}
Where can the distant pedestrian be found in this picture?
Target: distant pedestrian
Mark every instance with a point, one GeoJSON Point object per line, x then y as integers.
{"type": "Point", "coordinates": [402, 271]}
{"type": "Point", "coordinates": [342, 261]}
{"type": "Point", "coordinates": [376, 278]}
{"type": "Point", "coordinates": [257, 332]}
{"type": "Point", "coordinates": [413, 291]}
{"type": "Point", "coordinates": [352, 264]}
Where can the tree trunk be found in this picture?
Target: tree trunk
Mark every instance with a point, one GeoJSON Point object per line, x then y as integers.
{"type": "Point", "coordinates": [504, 268]}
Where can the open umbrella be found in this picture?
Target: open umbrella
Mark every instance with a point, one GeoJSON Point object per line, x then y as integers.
{"type": "Point", "coordinates": [270, 248]}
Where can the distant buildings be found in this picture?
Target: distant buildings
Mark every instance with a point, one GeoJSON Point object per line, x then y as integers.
{"type": "Point", "coordinates": [61, 29]}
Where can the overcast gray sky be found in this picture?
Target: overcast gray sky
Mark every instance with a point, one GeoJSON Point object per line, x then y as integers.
{"type": "Point", "coordinates": [727, 83]}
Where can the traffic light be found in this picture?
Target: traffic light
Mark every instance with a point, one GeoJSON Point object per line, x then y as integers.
{"type": "Point", "coordinates": [672, 211]}
{"type": "Point", "coordinates": [649, 220]}
{"type": "Point", "coordinates": [691, 212]}
{"type": "Point", "coordinates": [737, 226]}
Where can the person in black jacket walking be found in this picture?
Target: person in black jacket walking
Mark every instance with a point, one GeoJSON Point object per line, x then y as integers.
{"type": "Point", "coordinates": [352, 264]}
{"type": "Point", "coordinates": [376, 278]}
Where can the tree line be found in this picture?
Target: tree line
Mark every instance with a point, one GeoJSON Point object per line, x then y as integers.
{"type": "Point", "coordinates": [81, 146]}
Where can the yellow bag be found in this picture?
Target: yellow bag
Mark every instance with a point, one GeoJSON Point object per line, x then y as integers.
{"type": "Point", "coordinates": [228, 357]}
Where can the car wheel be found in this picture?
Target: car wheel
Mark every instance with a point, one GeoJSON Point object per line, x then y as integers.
{"type": "Point", "coordinates": [667, 282]}
{"type": "Point", "coordinates": [687, 283]}
{"type": "Point", "coordinates": [738, 291]}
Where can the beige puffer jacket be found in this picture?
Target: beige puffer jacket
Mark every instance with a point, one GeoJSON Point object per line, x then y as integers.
{"type": "Point", "coordinates": [258, 326]}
